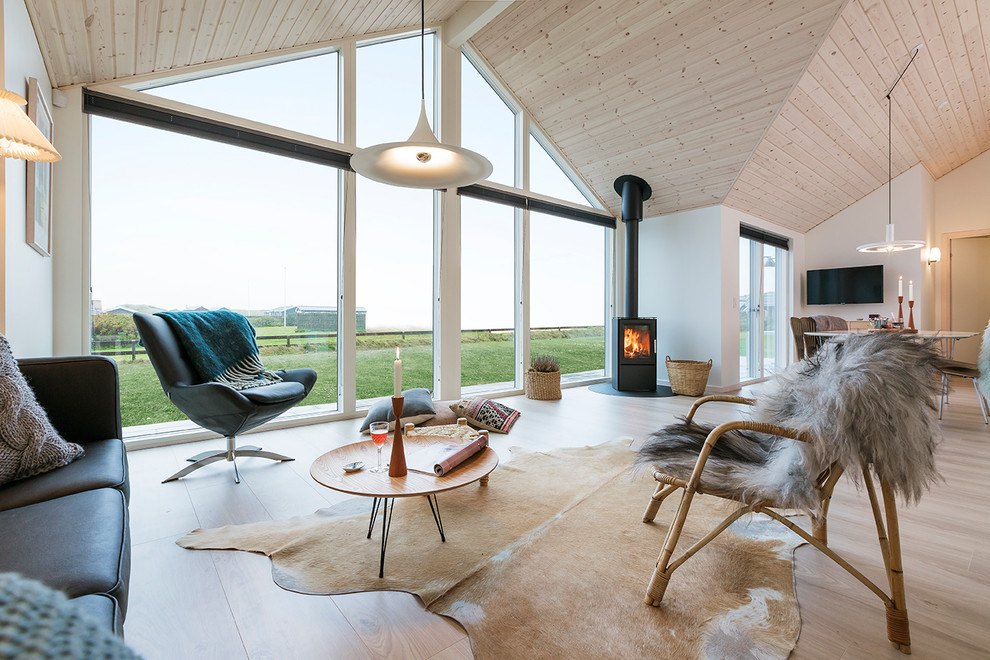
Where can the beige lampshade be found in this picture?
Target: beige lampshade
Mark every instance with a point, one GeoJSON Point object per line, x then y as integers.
{"type": "Point", "coordinates": [19, 137]}
{"type": "Point", "coordinates": [421, 161]}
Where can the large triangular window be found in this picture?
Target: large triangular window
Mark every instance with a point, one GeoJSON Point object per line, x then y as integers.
{"type": "Point", "coordinates": [488, 124]}
{"type": "Point", "coordinates": [546, 177]}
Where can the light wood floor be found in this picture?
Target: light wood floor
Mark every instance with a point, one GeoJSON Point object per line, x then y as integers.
{"type": "Point", "coordinates": [194, 604]}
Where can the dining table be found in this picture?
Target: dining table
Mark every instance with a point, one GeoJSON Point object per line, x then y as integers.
{"type": "Point", "coordinates": [946, 338]}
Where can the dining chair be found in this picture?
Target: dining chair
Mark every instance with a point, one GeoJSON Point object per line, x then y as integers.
{"type": "Point", "coordinates": [978, 372]}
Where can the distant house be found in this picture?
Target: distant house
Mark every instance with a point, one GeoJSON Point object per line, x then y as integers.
{"type": "Point", "coordinates": [121, 310]}
{"type": "Point", "coordinates": [317, 318]}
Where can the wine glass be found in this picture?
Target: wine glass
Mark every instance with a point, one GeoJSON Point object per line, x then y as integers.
{"type": "Point", "coordinates": [379, 433]}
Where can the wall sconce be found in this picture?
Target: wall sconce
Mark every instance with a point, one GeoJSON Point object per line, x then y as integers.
{"type": "Point", "coordinates": [934, 255]}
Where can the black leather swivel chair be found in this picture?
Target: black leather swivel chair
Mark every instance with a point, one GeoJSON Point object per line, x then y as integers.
{"type": "Point", "coordinates": [215, 406]}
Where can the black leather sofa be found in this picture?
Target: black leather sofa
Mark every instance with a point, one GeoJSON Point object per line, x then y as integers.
{"type": "Point", "coordinates": [69, 528]}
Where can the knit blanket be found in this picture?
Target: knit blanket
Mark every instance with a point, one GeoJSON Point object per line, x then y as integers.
{"type": "Point", "coordinates": [221, 347]}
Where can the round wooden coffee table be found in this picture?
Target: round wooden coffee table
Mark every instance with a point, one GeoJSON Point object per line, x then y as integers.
{"type": "Point", "coordinates": [328, 470]}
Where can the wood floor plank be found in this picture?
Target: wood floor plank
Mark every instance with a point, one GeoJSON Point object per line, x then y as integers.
{"type": "Point", "coordinates": [271, 619]}
{"type": "Point", "coordinates": [459, 651]}
{"type": "Point", "coordinates": [394, 624]}
{"type": "Point", "coordinates": [177, 607]}
{"type": "Point", "coordinates": [157, 512]}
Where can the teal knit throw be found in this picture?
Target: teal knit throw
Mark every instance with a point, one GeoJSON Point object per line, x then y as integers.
{"type": "Point", "coordinates": [221, 346]}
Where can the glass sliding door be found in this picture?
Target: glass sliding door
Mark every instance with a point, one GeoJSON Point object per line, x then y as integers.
{"type": "Point", "coordinates": [762, 322]}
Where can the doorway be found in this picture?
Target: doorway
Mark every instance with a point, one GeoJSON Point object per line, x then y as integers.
{"type": "Point", "coordinates": [762, 318]}
{"type": "Point", "coordinates": [969, 296]}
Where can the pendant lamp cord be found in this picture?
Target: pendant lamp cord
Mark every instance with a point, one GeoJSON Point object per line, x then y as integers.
{"type": "Point", "coordinates": [890, 134]}
{"type": "Point", "coordinates": [422, 50]}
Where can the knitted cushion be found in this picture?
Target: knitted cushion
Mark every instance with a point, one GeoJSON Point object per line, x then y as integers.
{"type": "Point", "coordinates": [486, 414]}
{"type": "Point", "coordinates": [29, 444]}
{"type": "Point", "coordinates": [38, 622]}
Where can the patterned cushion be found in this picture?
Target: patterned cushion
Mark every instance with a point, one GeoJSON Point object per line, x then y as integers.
{"type": "Point", "coordinates": [29, 444]}
{"type": "Point", "coordinates": [486, 414]}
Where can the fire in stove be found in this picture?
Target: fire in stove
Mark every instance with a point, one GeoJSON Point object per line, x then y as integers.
{"type": "Point", "coordinates": [636, 343]}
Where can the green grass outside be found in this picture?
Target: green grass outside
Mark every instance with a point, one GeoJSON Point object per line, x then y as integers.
{"type": "Point", "coordinates": [484, 359]}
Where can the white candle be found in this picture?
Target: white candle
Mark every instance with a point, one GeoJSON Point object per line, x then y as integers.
{"type": "Point", "coordinates": [900, 285]}
{"type": "Point", "coordinates": [910, 290]}
{"type": "Point", "coordinates": [398, 373]}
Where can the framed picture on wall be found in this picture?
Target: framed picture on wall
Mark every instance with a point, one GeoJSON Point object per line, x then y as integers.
{"type": "Point", "coordinates": [38, 230]}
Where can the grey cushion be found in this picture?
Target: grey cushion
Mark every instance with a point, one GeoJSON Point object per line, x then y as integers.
{"type": "Point", "coordinates": [417, 407]}
{"type": "Point", "coordinates": [276, 393]}
{"type": "Point", "coordinates": [29, 444]}
{"type": "Point", "coordinates": [78, 544]}
{"type": "Point", "coordinates": [104, 465]}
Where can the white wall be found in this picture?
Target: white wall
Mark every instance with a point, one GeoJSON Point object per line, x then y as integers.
{"type": "Point", "coordinates": [28, 276]}
{"type": "Point", "coordinates": [832, 244]}
{"type": "Point", "coordinates": [962, 197]}
{"type": "Point", "coordinates": [962, 204]}
{"type": "Point", "coordinates": [680, 283]}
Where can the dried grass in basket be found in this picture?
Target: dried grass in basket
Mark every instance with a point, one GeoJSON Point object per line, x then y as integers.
{"type": "Point", "coordinates": [688, 377]}
{"type": "Point", "coordinates": [543, 385]}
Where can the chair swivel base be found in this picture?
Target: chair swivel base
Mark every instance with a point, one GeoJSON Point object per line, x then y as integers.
{"type": "Point", "coordinates": [231, 453]}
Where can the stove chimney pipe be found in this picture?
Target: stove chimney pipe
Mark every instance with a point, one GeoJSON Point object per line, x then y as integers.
{"type": "Point", "coordinates": [634, 191]}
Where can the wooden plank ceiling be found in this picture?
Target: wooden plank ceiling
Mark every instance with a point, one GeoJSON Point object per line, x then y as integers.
{"type": "Point", "coordinates": [774, 108]}
{"type": "Point", "coordinates": [828, 146]}
{"type": "Point", "coordinates": [86, 41]}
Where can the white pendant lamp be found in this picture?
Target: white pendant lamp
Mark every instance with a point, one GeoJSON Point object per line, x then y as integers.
{"type": "Point", "coordinates": [890, 245]}
{"type": "Point", "coordinates": [422, 161]}
{"type": "Point", "coordinates": [19, 137]}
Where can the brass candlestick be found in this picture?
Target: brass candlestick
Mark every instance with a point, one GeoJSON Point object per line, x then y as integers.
{"type": "Point", "coordinates": [900, 310]}
{"type": "Point", "coordinates": [397, 463]}
{"type": "Point", "coordinates": [911, 316]}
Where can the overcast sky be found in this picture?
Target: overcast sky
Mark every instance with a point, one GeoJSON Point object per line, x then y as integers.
{"type": "Point", "coordinates": [180, 222]}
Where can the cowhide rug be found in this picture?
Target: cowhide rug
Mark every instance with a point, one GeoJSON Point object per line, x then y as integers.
{"type": "Point", "coordinates": [551, 560]}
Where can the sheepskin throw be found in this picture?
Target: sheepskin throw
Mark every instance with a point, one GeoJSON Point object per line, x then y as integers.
{"type": "Point", "coordinates": [221, 346]}
{"type": "Point", "coordinates": [866, 399]}
{"type": "Point", "coordinates": [984, 363]}
{"type": "Point", "coordinates": [29, 444]}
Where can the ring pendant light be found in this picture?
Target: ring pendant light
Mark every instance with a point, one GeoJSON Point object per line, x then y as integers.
{"type": "Point", "coordinates": [889, 244]}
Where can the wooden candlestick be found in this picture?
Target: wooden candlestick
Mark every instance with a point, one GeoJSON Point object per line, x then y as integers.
{"type": "Point", "coordinates": [900, 310]}
{"type": "Point", "coordinates": [910, 315]}
{"type": "Point", "coordinates": [397, 463]}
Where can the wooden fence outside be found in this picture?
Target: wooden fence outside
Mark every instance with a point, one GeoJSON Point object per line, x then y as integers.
{"type": "Point", "coordinates": [133, 348]}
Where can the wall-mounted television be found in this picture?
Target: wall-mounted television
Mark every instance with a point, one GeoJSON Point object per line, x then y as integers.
{"type": "Point", "coordinates": [845, 286]}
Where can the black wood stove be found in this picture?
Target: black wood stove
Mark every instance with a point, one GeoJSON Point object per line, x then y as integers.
{"type": "Point", "coordinates": [635, 338]}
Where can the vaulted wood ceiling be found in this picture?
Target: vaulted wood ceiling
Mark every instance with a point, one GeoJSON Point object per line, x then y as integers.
{"type": "Point", "coordinates": [774, 108]}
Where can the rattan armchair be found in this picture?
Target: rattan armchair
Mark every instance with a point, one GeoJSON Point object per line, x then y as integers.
{"type": "Point", "coordinates": [824, 483]}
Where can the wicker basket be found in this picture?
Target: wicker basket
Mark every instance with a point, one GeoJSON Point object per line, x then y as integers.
{"type": "Point", "coordinates": [688, 377]}
{"type": "Point", "coordinates": [542, 385]}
